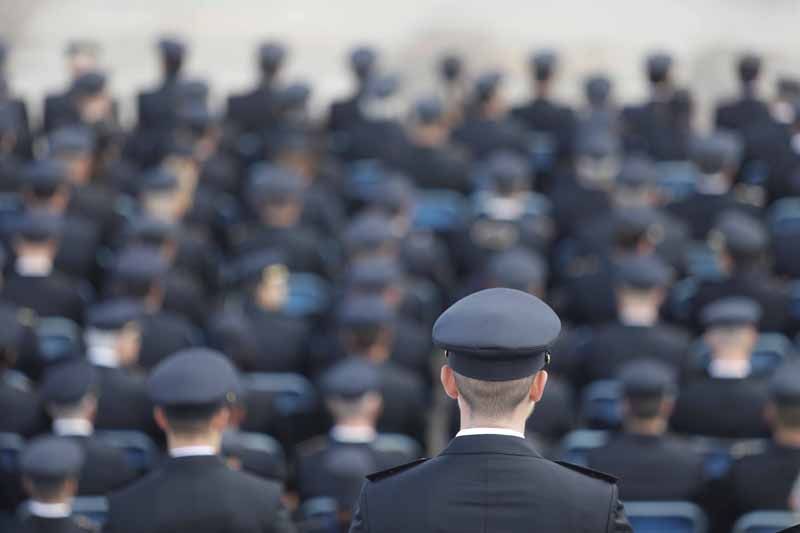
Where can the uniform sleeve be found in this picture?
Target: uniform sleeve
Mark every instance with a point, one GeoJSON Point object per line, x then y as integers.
{"type": "Point", "coordinates": [617, 521]}
{"type": "Point", "coordinates": [360, 523]}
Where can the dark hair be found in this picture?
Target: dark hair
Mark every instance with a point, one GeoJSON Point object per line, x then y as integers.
{"type": "Point", "coordinates": [191, 419]}
{"type": "Point", "coordinates": [493, 399]}
{"type": "Point", "coordinates": [788, 416]}
{"type": "Point", "coordinates": [644, 407]}
{"type": "Point", "coordinates": [47, 488]}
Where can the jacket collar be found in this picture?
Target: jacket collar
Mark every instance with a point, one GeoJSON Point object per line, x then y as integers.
{"type": "Point", "coordinates": [490, 444]}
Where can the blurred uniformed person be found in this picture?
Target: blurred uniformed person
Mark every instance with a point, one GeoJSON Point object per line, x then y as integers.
{"type": "Point", "coordinates": [138, 275]}
{"type": "Point", "coordinates": [20, 123]}
{"type": "Point", "coordinates": [20, 403]}
{"type": "Point", "coordinates": [157, 108]}
{"type": "Point", "coordinates": [113, 337]}
{"type": "Point", "coordinates": [70, 392]}
{"type": "Point", "coordinates": [346, 113]}
{"type": "Point", "coordinates": [728, 399]}
{"type": "Point", "coordinates": [259, 335]}
{"type": "Point", "coordinates": [748, 111]}
{"type": "Point", "coordinates": [334, 466]}
{"type": "Point", "coordinates": [651, 464]}
{"type": "Point", "coordinates": [367, 331]}
{"type": "Point", "coordinates": [543, 114]}
{"type": "Point", "coordinates": [763, 481]}
{"type": "Point", "coordinates": [486, 126]}
{"type": "Point", "coordinates": [50, 467]}
{"type": "Point", "coordinates": [717, 160]}
{"type": "Point", "coordinates": [641, 284]}
{"type": "Point", "coordinates": [258, 109]}
{"type": "Point", "coordinates": [433, 161]}
{"type": "Point", "coordinates": [742, 247]}
{"type": "Point", "coordinates": [600, 116]}
{"type": "Point", "coordinates": [194, 490]}
{"type": "Point", "coordinates": [34, 283]}
{"type": "Point", "coordinates": [82, 57]}
{"type": "Point", "coordinates": [489, 477]}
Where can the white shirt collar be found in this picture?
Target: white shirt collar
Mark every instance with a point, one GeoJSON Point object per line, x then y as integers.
{"type": "Point", "coordinates": [729, 368]}
{"type": "Point", "coordinates": [34, 266]}
{"type": "Point", "coordinates": [49, 510]}
{"type": "Point", "coordinates": [490, 431]}
{"type": "Point", "coordinates": [353, 434]}
{"type": "Point", "coordinates": [192, 451]}
{"type": "Point", "coordinates": [69, 427]}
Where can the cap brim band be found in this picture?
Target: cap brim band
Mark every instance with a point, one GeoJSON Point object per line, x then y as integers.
{"type": "Point", "coordinates": [497, 368]}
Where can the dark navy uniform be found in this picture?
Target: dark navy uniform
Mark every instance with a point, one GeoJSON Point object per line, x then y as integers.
{"type": "Point", "coordinates": [259, 108]}
{"type": "Point", "coordinates": [724, 403]}
{"type": "Point", "coordinates": [49, 460]}
{"type": "Point", "coordinates": [482, 482]}
{"type": "Point", "coordinates": [64, 387]}
{"type": "Point", "coordinates": [640, 458]}
{"type": "Point", "coordinates": [197, 492]}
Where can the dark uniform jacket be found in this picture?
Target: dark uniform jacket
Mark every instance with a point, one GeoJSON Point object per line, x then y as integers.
{"type": "Point", "coordinates": [124, 403]}
{"type": "Point", "coordinates": [655, 468]}
{"type": "Point", "coordinates": [762, 481]}
{"type": "Point", "coordinates": [197, 495]}
{"type": "Point", "coordinates": [104, 469]}
{"type": "Point", "coordinates": [54, 295]}
{"type": "Point", "coordinates": [37, 524]}
{"type": "Point", "coordinates": [492, 483]}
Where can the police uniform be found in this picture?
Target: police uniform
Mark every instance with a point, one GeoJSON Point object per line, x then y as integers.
{"type": "Point", "coordinates": [157, 108]}
{"type": "Point", "coordinates": [194, 490]}
{"type": "Point", "coordinates": [123, 401]}
{"type": "Point", "coordinates": [438, 166]}
{"type": "Point", "coordinates": [720, 405]}
{"type": "Point", "coordinates": [163, 332]}
{"type": "Point", "coordinates": [335, 465]}
{"type": "Point", "coordinates": [701, 209]}
{"type": "Point", "coordinates": [37, 286]}
{"type": "Point", "coordinates": [748, 111]}
{"type": "Point", "coordinates": [346, 113]}
{"type": "Point", "coordinates": [763, 480]}
{"type": "Point", "coordinates": [105, 468]}
{"type": "Point", "coordinates": [484, 135]}
{"type": "Point", "coordinates": [743, 236]}
{"type": "Point", "coordinates": [48, 460]}
{"type": "Point", "coordinates": [259, 108]}
{"type": "Point", "coordinates": [614, 344]}
{"type": "Point", "coordinates": [543, 114]}
{"type": "Point", "coordinates": [650, 467]}
{"type": "Point", "coordinates": [492, 480]}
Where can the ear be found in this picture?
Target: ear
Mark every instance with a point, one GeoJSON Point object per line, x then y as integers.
{"type": "Point", "coordinates": [537, 387]}
{"type": "Point", "coordinates": [221, 419]}
{"type": "Point", "coordinates": [161, 419]}
{"type": "Point", "coordinates": [448, 379]}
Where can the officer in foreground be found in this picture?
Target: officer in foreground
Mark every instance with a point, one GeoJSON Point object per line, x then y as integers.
{"type": "Point", "coordinates": [490, 478]}
{"type": "Point", "coordinates": [194, 491]}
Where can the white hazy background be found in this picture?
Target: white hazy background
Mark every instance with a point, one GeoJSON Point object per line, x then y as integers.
{"type": "Point", "coordinates": [592, 35]}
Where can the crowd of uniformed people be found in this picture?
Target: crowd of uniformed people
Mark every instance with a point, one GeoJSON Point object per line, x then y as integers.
{"type": "Point", "coordinates": [141, 265]}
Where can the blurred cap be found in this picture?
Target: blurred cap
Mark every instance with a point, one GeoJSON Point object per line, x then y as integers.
{"type": "Point", "coordinates": [487, 84]}
{"type": "Point", "coordinates": [369, 231]}
{"type": "Point", "coordinates": [731, 312]}
{"type": "Point", "coordinates": [749, 66]}
{"type": "Point", "coordinates": [140, 265]}
{"type": "Point", "coordinates": [643, 272]}
{"type": "Point", "coordinates": [362, 61]}
{"type": "Point", "coordinates": [647, 378]}
{"type": "Point", "coordinates": [519, 269]}
{"type": "Point", "coordinates": [271, 55]}
{"type": "Point", "coordinates": [158, 180]}
{"type": "Point", "coordinates": [784, 386]}
{"type": "Point", "coordinates": [89, 83]}
{"type": "Point", "coordinates": [428, 110]}
{"type": "Point", "coordinates": [113, 315]}
{"type": "Point", "coordinates": [51, 458]}
{"type": "Point", "coordinates": [450, 67]}
{"type": "Point", "coordinates": [70, 140]}
{"type": "Point", "coordinates": [374, 273]}
{"type": "Point", "coordinates": [508, 171]}
{"type": "Point", "coordinates": [272, 184]}
{"type": "Point", "coordinates": [740, 234]}
{"type": "Point", "coordinates": [658, 65]}
{"type": "Point", "coordinates": [715, 153]}
{"type": "Point", "coordinates": [543, 64]}
{"type": "Point", "coordinates": [39, 226]}
{"type": "Point", "coordinates": [172, 48]}
{"type": "Point", "coordinates": [598, 89]}
{"type": "Point", "coordinates": [637, 172]}
{"type": "Point", "coordinates": [351, 379]}
{"type": "Point", "coordinates": [362, 311]}
{"type": "Point", "coordinates": [68, 383]}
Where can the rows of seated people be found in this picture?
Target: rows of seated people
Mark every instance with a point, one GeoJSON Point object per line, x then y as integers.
{"type": "Point", "coordinates": [316, 252]}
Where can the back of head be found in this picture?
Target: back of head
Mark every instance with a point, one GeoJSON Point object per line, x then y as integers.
{"type": "Point", "coordinates": [50, 467]}
{"type": "Point", "coordinates": [646, 384]}
{"type": "Point", "coordinates": [784, 391]}
{"type": "Point", "coordinates": [748, 67]}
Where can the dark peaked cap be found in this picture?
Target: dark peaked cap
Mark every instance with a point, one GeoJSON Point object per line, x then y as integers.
{"type": "Point", "coordinates": [51, 458]}
{"type": "Point", "coordinates": [195, 377]}
{"type": "Point", "coordinates": [497, 334]}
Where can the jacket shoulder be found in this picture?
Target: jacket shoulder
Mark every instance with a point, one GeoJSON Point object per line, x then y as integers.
{"type": "Point", "coordinates": [383, 474]}
{"type": "Point", "coordinates": [588, 472]}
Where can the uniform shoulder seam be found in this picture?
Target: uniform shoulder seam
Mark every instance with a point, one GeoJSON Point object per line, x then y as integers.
{"type": "Point", "coordinates": [383, 474]}
{"type": "Point", "coordinates": [608, 478]}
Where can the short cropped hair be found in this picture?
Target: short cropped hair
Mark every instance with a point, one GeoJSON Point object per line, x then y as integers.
{"type": "Point", "coordinates": [191, 420]}
{"type": "Point", "coordinates": [493, 399]}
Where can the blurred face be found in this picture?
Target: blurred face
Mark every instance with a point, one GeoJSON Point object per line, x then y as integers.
{"type": "Point", "coordinates": [96, 108]}
{"type": "Point", "coordinates": [128, 344]}
{"type": "Point", "coordinates": [79, 167]}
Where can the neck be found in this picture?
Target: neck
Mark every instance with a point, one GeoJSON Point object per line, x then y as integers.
{"type": "Point", "coordinates": [788, 437]}
{"type": "Point", "coordinates": [651, 427]}
{"type": "Point", "coordinates": [638, 314]}
{"type": "Point", "coordinates": [515, 422]}
{"type": "Point", "coordinates": [211, 439]}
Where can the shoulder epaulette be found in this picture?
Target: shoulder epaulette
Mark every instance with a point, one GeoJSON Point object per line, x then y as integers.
{"type": "Point", "coordinates": [377, 476]}
{"type": "Point", "coordinates": [589, 472]}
